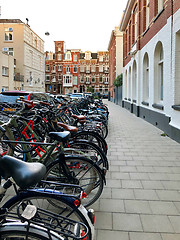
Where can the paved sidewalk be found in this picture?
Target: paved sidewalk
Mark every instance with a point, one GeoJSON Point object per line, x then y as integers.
{"type": "Point", "coordinates": [141, 200]}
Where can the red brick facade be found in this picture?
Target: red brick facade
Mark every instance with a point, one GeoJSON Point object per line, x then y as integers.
{"type": "Point", "coordinates": [157, 20]}
{"type": "Point", "coordinates": [64, 72]}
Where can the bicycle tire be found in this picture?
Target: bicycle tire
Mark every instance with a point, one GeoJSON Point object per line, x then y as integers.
{"type": "Point", "coordinates": [94, 137]}
{"type": "Point", "coordinates": [91, 151]}
{"type": "Point", "coordinates": [88, 174]}
{"type": "Point", "coordinates": [51, 202]}
{"type": "Point", "coordinates": [18, 231]}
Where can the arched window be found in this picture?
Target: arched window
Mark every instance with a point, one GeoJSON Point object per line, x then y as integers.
{"type": "Point", "coordinates": [129, 84]}
{"type": "Point", "coordinates": [125, 85]}
{"type": "Point", "coordinates": [134, 81]}
{"type": "Point", "coordinates": [158, 73]}
{"type": "Point", "coordinates": [146, 78]}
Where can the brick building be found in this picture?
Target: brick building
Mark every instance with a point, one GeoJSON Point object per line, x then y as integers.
{"type": "Point", "coordinates": [151, 61]}
{"type": "Point", "coordinates": [94, 71]}
{"type": "Point", "coordinates": [115, 49]}
{"type": "Point", "coordinates": [71, 70]}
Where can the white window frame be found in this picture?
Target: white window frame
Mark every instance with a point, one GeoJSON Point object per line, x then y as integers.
{"type": "Point", "coordinates": [8, 33]}
{"type": "Point", "coordinates": [75, 68]}
{"type": "Point", "coordinates": [5, 71]}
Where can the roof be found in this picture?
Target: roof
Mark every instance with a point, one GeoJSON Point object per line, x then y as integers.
{"type": "Point", "coordinates": [126, 15]}
{"type": "Point", "coordinates": [10, 21]}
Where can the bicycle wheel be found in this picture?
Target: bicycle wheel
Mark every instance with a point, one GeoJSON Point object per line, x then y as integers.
{"type": "Point", "coordinates": [18, 231]}
{"type": "Point", "coordinates": [4, 148]}
{"type": "Point", "coordinates": [89, 150]}
{"type": "Point", "coordinates": [51, 202]}
{"type": "Point", "coordinates": [93, 137]}
{"type": "Point", "coordinates": [84, 173]}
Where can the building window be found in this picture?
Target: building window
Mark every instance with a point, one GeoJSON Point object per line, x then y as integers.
{"type": "Point", "coordinates": [75, 57]}
{"type": "Point", "coordinates": [75, 69]}
{"type": "Point", "coordinates": [158, 73]}
{"type": "Point", "coordinates": [100, 68]}
{"type": "Point", "coordinates": [75, 80]}
{"type": "Point", "coordinates": [129, 84]}
{"type": "Point", "coordinates": [68, 55]}
{"type": "Point", "coordinates": [106, 58]}
{"type": "Point", "coordinates": [59, 77]}
{"type": "Point", "coordinates": [82, 79]}
{"type": "Point", "coordinates": [177, 64]}
{"type": "Point", "coordinates": [87, 68]}
{"type": "Point", "coordinates": [68, 69]}
{"type": "Point", "coordinates": [47, 68]}
{"type": "Point", "coordinates": [106, 80]}
{"type": "Point", "coordinates": [88, 55]}
{"type": "Point", "coordinates": [87, 79]}
{"type": "Point", "coordinates": [160, 5]}
{"type": "Point", "coordinates": [8, 34]}
{"type": "Point", "coordinates": [67, 79]}
{"type": "Point", "coordinates": [93, 68]}
{"type": "Point", "coordinates": [54, 78]}
{"type": "Point", "coordinates": [134, 80]}
{"type": "Point", "coordinates": [135, 25]}
{"type": "Point", "coordinates": [101, 58]}
{"type": "Point", "coordinates": [100, 79]}
{"type": "Point", "coordinates": [59, 57]}
{"type": "Point", "coordinates": [93, 79]}
{"type": "Point", "coordinates": [54, 88]}
{"type": "Point", "coordinates": [81, 68]}
{"type": "Point", "coordinates": [147, 13]}
{"type": "Point", "coordinates": [54, 67]}
{"type": "Point", "coordinates": [59, 67]}
{"type": "Point", "coordinates": [5, 71]}
{"type": "Point", "coordinates": [100, 89]}
{"type": "Point", "coordinates": [47, 78]}
{"type": "Point", "coordinates": [9, 51]}
{"type": "Point", "coordinates": [125, 85]}
{"type": "Point", "coordinates": [30, 79]}
{"type": "Point", "coordinates": [146, 78]}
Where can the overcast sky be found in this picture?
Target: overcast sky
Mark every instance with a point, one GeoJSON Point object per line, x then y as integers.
{"type": "Point", "coordinates": [85, 25]}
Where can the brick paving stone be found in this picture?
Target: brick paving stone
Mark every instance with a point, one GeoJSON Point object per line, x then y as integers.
{"type": "Point", "coordinates": [127, 222]}
{"type": "Point", "coordinates": [156, 223]}
{"type": "Point", "coordinates": [112, 205]}
{"type": "Point", "coordinates": [163, 208]}
{"type": "Point", "coordinates": [144, 236]}
{"type": "Point", "coordinates": [135, 206]}
{"type": "Point", "coordinates": [107, 235]}
{"type": "Point", "coordinates": [123, 193]}
{"type": "Point", "coordinates": [170, 236]}
{"type": "Point", "coordinates": [175, 221]}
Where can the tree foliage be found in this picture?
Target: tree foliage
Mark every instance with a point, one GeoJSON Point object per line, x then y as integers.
{"type": "Point", "coordinates": [118, 81]}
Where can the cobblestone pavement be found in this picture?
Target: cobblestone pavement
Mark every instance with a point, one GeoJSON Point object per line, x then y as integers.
{"type": "Point", "coordinates": [141, 200]}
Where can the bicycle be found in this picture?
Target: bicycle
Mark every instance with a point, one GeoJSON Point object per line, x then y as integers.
{"type": "Point", "coordinates": [62, 205]}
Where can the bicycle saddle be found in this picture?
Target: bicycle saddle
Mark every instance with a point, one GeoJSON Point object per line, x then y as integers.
{"type": "Point", "coordinates": [60, 136]}
{"type": "Point", "coordinates": [68, 127]}
{"type": "Point", "coordinates": [24, 174]}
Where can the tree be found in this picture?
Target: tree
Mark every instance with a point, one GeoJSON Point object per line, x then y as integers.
{"type": "Point", "coordinates": [118, 81]}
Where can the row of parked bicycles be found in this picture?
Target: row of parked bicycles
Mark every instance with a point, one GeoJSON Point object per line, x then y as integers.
{"type": "Point", "coordinates": [53, 157]}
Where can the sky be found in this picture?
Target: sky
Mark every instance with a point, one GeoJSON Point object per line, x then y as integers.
{"type": "Point", "coordinates": [85, 25]}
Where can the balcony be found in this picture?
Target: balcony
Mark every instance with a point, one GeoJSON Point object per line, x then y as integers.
{"type": "Point", "coordinates": [106, 82]}
{"type": "Point", "coordinates": [106, 71]}
{"type": "Point", "coordinates": [87, 71]}
{"type": "Point", "coordinates": [87, 82]}
{"type": "Point", "coordinates": [18, 77]}
{"type": "Point", "coordinates": [67, 84]}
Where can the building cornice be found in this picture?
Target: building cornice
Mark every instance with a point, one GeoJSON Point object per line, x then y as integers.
{"type": "Point", "coordinates": [126, 15]}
